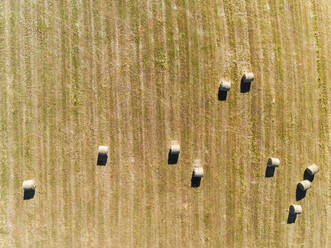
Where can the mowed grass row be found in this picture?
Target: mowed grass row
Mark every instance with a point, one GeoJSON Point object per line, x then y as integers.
{"type": "Point", "coordinates": [135, 75]}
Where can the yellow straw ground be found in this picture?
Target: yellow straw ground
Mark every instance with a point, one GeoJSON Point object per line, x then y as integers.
{"type": "Point", "coordinates": [135, 75]}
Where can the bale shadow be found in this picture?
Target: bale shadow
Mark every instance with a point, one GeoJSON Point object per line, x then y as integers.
{"type": "Point", "coordinates": [28, 194]}
{"type": "Point", "coordinates": [300, 194]}
{"type": "Point", "coordinates": [308, 176]}
{"type": "Point", "coordinates": [172, 158]}
{"type": "Point", "coordinates": [195, 181]}
{"type": "Point", "coordinates": [269, 171]}
{"type": "Point", "coordinates": [244, 87]}
{"type": "Point", "coordinates": [102, 159]}
{"type": "Point", "coordinates": [222, 95]}
{"type": "Point", "coordinates": [291, 218]}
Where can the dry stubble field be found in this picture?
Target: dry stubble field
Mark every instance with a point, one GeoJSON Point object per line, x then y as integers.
{"type": "Point", "coordinates": [136, 74]}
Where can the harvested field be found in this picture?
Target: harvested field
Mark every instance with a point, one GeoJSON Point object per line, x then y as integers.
{"type": "Point", "coordinates": [134, 75]}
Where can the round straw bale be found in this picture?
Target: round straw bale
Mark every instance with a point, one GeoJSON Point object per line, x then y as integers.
{"type": "Point", "coordinates": [225, 85]}
{"type": "Point", "coordinates": [29, 185]}
{"type": "Point", "coordinates": [248, 77]}
{"type": "Point", "coordinates": [174, 147]}
{"type": "Point", "coordinates": [198, 172]}
{"type": "Point", "coordinates": [295, 209]}
{"type": "Point", "coordinates": [273, 162]}
{"type": "Point", "coordinates": [312, 169]}
{"type": "Point", "coordinates": [304, 185]}
{"type": "Point", "coordinates": [103, 149]}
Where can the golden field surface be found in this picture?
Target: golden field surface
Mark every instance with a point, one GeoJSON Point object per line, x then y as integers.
{"type": "Point", "coordinates": [135, 75]}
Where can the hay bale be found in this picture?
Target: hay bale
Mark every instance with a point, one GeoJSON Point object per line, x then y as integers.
{"type": "Point", "coordinates": [304, 185]}
{"type": "Point", "coordinates": [29, 187]}
{"type": "Point", "coordinates": [225, 85]}
{"type": "Point", "coordinates": [273, 162]}
{"type": "Point", "coordinates": [248, 77]}
{"type": "Point", "coordinates": [295, 209]}
{"type": "Point", "coordinates": [174, 148]}
{"type": "Point", "coordinates": [312, 169]}
{"type": "Point", "coordinates": [198, 172]}
{"type": "Point", "coordinates": [174, 151]}
{"type": "Point", "coordinates": [197, 168]}
{"type": "Point", "coordinates": [103, 149]}
{"type": "Point", "coordinates": [102, 155]}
